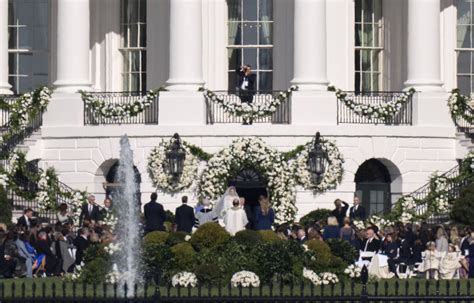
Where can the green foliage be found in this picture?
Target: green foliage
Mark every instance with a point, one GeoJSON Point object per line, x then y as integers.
{"type": "Point", "coordinates": [209, 235]}
{"type": "Point", "coordinates": [184, 256]}
{"type": "Point", "coordinates": [155, 237]}
{"type": "Point", "coordinates": [293, 153]}
{"type": "Point", "coordinates": [318, 215]}
{"type": "Point", "coordinates": [269, 236]}
{"type": "Point", "coordinates": [463, 207]}
{"type": "Point", "coordinates": [169, 216]}
{"type": "Point", "coordinates": [248, 237]}
{"type": "Point", "coordinates": [95, 271]}
{"type": "Point", "coordinates": [5, 206]}
{"type": "Point", "coordinates": [274, 260]}
{"type": "Point", "coordinates": [209, 273]}
{"type": "Point", "coordinates": [322, 252]}
{"type": "Point", "coordinates": [342, 249]}
{"type": "Point", "coordinates": [158, 258]}
{"type": "Point", "coordinates": [96, 251]}
{"type": "Point", "coordinates": [176, 237]}
{"type": "Point", "coordinates": [198, 152]}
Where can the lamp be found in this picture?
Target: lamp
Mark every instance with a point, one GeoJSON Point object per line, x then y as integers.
{"type": "Point", "coordinates": [317, 160]}
{"type": "Point", "coordinates": [176, 156]}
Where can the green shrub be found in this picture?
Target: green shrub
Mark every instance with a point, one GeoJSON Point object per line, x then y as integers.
{"type": "Point", "coordinates": [268, 236]}
{"type": "Point", "coordinates": [343, 250]}
{"type": "Point", "coordinates": [155, 237]}
{"type": "Point", "coordinates": [273, 260]}
{"type": "Point", "coordinates": [184, 256]}
{"type": "Point", "coordinates": [322, 253]}
{"type": "Point", "coordinates": [95, 271]}
{"type": "Point", "coordinates": [209, 274]}
{"type": "Point", "coordinates": [5, 206]}
{"type": "Point", "coordinates": [169, 216]}
{"type": "Point", "coordinates": [318, 215]}
{"type": "Point", "coordinates": [463, 207]}
{"type": "Point", "coordinates": [248, 237]}
{"type": "Point", "coordinates": [95, 251]}
{"type": "Point", "coordinates": [235, 257]}
{"type": "Point", "coordinates": [158, 258]}
{"type": "Point", "coordinates": [176, 237]}
{"type": "Point", "coordinates": [209, 235]}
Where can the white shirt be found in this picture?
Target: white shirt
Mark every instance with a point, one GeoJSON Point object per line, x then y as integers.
{"type": "Point", "coordinates": [245, 83]}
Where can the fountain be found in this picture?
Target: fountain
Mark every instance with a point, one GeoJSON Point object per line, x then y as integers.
{"type": "Point", "coordinates": [128, 230]}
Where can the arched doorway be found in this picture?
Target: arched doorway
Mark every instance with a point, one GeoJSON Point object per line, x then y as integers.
{"type": "Point", "coordinates": [250, 184]}
{"type": "Point", "coordinates": [112, 184]}
{"type": "Point", "coordinates": [373, 186]}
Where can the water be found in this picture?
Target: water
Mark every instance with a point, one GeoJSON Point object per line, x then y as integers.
{"type": "Point", "coordinates": [128, 230]}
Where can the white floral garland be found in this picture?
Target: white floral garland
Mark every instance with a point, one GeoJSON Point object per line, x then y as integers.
{"type": "Point", "coordinates": [324, 278]}
{"type": "Point", "coordinates": [457, 104]}
{"type": "Point", "coordinates": [184, 279]}
{"type": "Point", "coordinates": [353, 271]}
{"type": "Point", "coordinates": [118, 110]}
{"type": "Point", "coordinates": [334, 172]}
{"type": "Point", "coordinates": [250, 110]}
{"type": "Point", "coordinates": [245, 279]}
{"type": "Point", "coordinates": [163, 180]}
{"type": "Point", "coordinates": [25, 104]}
{"type": "Point", "coordinates": [252, 151]}
{"type": "Point", "coordinates": [374, 111]}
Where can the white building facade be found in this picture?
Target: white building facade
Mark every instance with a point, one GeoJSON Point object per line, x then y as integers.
{"type": "Point", "coordinates": [359, 46]}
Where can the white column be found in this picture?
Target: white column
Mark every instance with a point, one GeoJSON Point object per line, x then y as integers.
{"type": "Point", "coordinates": [185, 45]}
{"type": "Point", "coordinates": [424, 64]}
{"type": "Point", "coordinates": [4, 86]}
{"type": "Point", "coordinates": [73, 46]}
{"type": "Point", "coordinates": [310, 45]}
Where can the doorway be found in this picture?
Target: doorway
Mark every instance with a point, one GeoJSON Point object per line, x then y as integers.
{"type": "Point", "coordinates": [373, 187]}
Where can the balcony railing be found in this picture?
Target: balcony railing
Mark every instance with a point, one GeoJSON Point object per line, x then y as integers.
{"type": "Point", "coordinates": [148, 116]}
{"type": "Point", "coordinates": [347, 116]}
{"type": "Point", "coordinates": [463, 125]}
{"type": "Point", "coordinates": [216, 114]}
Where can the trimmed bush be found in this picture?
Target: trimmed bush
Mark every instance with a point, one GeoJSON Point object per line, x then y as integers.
{"type": "Point", "coordinates": [158, 258]}
{"type": "Point", "coordinates": [169, 216]}
{"type": "Point", "coordinates": [463, 207]}
{"type": "Point", "coordinates": [184, 256]}
{"type": "Point", "coordinates": [343, 250]}
{"type": "Point", "coordinates": [248, 237]}
{"type": "Point", "coordinates": [209, 235]}
{"type": "Point", "coordinates": [95, 271]}
{"type": "Point", "coordinates": [322, 252]}
{"type": "Point", "coordinates": [273, 260]}
{"type": "Point", "coordinates": [6, 207]}
{"type": "Point", "coordinates": [269, 236]}
{"type": "Point", "coordinates": [176, 237]}
{"type": "Point", "coordinates": [209, 274]}
{"type": "Point", "coordinates": [155, 237]}
{"type": "Point", "coordinates": [318, 215]}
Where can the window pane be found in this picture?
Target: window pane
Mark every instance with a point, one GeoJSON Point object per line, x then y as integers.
{"type": "Point", "coordinates": [134, 35]}
{"type": "Point", "coordinates": [143, 88]}
{"type": "Point", "coordinates": [366, 82]}
{"type": "Point", "coordinates": [265, 58]}
{"type": "Point", "coordinates": [143, 55]}
{"type": "Point", "coordinates": [375, 60]}
{"type": "Point", "coordinates": [135, 61]}
{"type": "Point", "coordinates": [250, 57]}
{"type": "Point", "coordinates": [125, 35]}
{"type": "Point", "coordinates": [358, 35]}
{"type": "Point", "coordinates": [234, 58]}
{"type": "Point", "coordinates": [250, 34]}
{"type": "Point", "coordinates": [134, 83]}
{"type": "Point", "coordinates": [12, 36]}
{"type": "Point", "coordinates": [358, 10]}
{"type": "Point", "coordinates": [463, 36]}
{"type": "Point", "coordinates": [232, 80]}
{"type": "Point", "coordinates": [368, 10]}
{"type": "Point", "coordinates": [142, 35]}
{"type": "Point", "coordinates": [357, 60]}
{"type": "Point", "coordinates": [25, 37]}
{"type": "Point", "coordinates": [132, 11]}
{"type": "Point", "coordinates": [464, 62]}
{"type": "Point", "coordinates": [463, 11]}
{"type": "Point", "coordinates": [265, 80]}
{"type": "Point", "coordinates": [265, 33]}
{"type": "Point", "coordinates": [126, 61]}
{"type": "Point", "coordinates": [250, 10]}
{"type": "Point", "coordinates": [365, 60]}
{"type": "Point", "coordinates": [367, 39]}
{"type": "Point", "coordinates": [265, 10]}
{"type": "Point", "coordinates": [234, 33]}
{"type": "Point", "coordinates": [464, 85]}
{"type": "Point", "coordinates": [234, 10]}
{"type": "Point", "coordinates": [142, 11]}
{"type": "Point", "coordinates": [25, 63]}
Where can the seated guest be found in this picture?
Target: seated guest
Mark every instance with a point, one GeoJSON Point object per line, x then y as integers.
{"type": "Point", "coordinates": [184, 216]}
{"type": "Point", "coordinates": [206, 214]}
{"type": "Point", "coordinates": [331, 231]}
{"type": "Point", "coordinates": [52, 265]}
{"type": "Point", "coordinates": [235, 218]}
{"type": "Point", "coordinates": [371, 244]}
{"type": "Point", "coordinates": [340, 211]}
{"type": "Point", "coordinates": [26, 253]}
{"type": "Point", "coordinates": [264, 215]}
{"type": "Point", "coordinates": [450, 264]}
{"type": "Point", "coordinates": [430, 263]}
{"type": "Point", "coordinates": [391, 251]}
{"type": "Point", "coordinates": [7, 262]}
{"type": "Point", "coordinates": [301, 235]}
{"type": "Point", "coordinates": [417, 251]}
{"type": "Point", "coordinates": [63, 215]}
{"type": "Point", "coordinates": [82, 244]}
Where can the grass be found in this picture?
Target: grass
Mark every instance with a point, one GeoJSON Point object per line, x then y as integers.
{"type": "Point", "coordinates": [56, 287]}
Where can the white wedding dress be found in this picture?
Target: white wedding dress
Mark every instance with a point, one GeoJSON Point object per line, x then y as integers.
{"type": "Point", "coordinates": [225, 202]}
{"type": "Point", "coordinates": [235, 220]}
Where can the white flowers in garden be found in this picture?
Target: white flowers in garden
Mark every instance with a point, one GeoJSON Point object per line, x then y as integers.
{"type": "Point", "coordinates": [113, 248]}
{"type": "Point", "coordinates": [324, 278]}
{"type": "Point", "coordinates": [353, 271]}
{"type": "Point", "coordinates": [245, 279]}
{"type": "Point", "coordinates": [184, 279]}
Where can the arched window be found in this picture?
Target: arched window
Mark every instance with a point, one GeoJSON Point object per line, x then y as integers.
{"type": "Point", "coordinates": [373, 186]}
{"type": "Point", "coordinates": [250, 40]}
{"type": "Point", "coordinates": [369, 45]}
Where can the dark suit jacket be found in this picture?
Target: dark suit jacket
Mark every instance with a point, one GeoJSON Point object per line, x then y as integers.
{"type": "Point", "coordinates": [357, 214]}
{"type": "Point", "coordinates": [373, 246]}
{"type": "Point", "coordinates": [81, 245]}
{"type": "Point", "coordinates": [22, 222]}
{"type": "Point", "coordinates": [185, 218]}
{"type": "Point", "coordinates": [464, 245]}
{"type": "Point", "coordinates": [85, 215]}
{"type": "Point", "coordinates": [240, 79]}
{"type": "Point", "coordinates": [154, 216]}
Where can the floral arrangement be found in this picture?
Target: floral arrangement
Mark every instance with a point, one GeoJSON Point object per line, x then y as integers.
{"type": "Point", "coordinates": [382, 111]}
{"type": "Point", "coordinates": [353, 271]}
{"type": "Point", "coordinates": [334, 171]}
{"type": "Point", "coordinates": [119, 110]}
{"type": "Point", "coordinates": [161, 178]}
{"type": "Point", "coordinates": [112, 248]}
{"type": "Point", "coordinates": [184, 279]}
{"type": "Point", "coordinates": [379, 221]}
{"type": "Point", "coordinates": [252, 151]}
{"type": "Point", "coordinates": [458, 104]}
{"type": "Point", "coordinates": [110, 220]}
{"type": "Point", "coordinates": [324, 278]}
{"type": "Point", "coordinates": [245, 279]}
{"type": "Point", "coordinates": [250, 111]}
{"type": "Point", "coordinates": [359, 224]}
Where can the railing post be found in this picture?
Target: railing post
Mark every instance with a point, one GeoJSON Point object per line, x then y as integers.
{"type": "Point", "coordinates": [364, 297]}
{"type": "Point", "coordinates": [157, 294]}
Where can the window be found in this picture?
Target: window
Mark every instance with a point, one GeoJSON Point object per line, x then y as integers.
{"type": "Point", "coordinates": [133, 27]}
{"type": "Point", "coordinates": [28, 44]}
{"type": "Point", "coordinates": [250, 40]}
{"type": "Point", "coordinates": [465, 46]}
{"type": "Point", "coordinates": [368, 45]}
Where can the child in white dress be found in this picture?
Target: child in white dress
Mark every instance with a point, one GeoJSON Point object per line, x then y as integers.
{"type": "Point", "coordinates": [430, 263]}
{"type": "Point", "coordinates": [450, 264]}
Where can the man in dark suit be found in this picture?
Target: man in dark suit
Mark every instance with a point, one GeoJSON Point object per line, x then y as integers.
{"type": "Point", "coordinates": [185, 216]}
{"type": "Point", "coordinates": [24, 221]}
{"type": "Point", "coordinates": [154, 215]}
{"type": "Point", "coordinates": [82, 244]}
{"type": "Point", "coordinates": [357, 212]}
{"type": "Point", "coordinates": [371, 243]}
{"type": "Point", "coordinates": [245, 83]}
{"type": "Point", "coordinates": [90, 211]}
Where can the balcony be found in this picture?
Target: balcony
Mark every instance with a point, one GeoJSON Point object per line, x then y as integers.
{"type": "Point", "coordinates": [216, 114]}
{"type": "Point", "coordinates": [117, 101]}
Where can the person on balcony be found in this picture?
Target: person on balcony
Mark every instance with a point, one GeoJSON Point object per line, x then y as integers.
{"type": "Point", "coordinates": [245, 86]}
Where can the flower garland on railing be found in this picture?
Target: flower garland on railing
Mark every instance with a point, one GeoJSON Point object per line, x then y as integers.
{"type": "Point", "coordinates": [334, 171]}
{"type": "Point", "coordinates": [23, 110]}
{"type": "Point", "coordinates": [383, 111]}
{"type": "Point", "coordinates": [253, 110]}
{"type": "Point", "coordinates": [119, 110]}
{"type": "Point", "coordinates": [161, 178]}
{"type": "Point", "coordinates": [458, 104]}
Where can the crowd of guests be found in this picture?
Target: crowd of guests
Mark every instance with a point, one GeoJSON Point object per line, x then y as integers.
{"type": "Point", "coordinates": [34, 249]}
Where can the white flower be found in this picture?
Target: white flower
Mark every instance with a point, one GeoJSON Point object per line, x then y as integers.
{"type": "Point", "coordinates": [353, 271]}
{"type": "Point", "coordinates": [184, 279]}
{"type": "Point", "coordinates": [187, 238]}
{"type": "Point", "coordinates": [245, 279]}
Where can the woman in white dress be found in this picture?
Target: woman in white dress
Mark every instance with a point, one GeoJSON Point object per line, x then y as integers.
{"type": "Point", "coordinates": [450, 264]}
{"type": "Point", "coordinates": [235, 218]}
{"type": "Point", "coordinates": [225, 201]}
{"type": "Point", "coordinates": [430, 263]}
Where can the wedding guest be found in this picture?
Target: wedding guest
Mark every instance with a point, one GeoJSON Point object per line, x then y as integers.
{"type": "Point", "coordinates": [371, 243]}
{"type": "Point", "coordinates": [430, 264]}
{"type": "Point", "coordinates": [235, 218]}
{"type": "Point", "coordinates": [450, 264]}
{"type": "Point", "coordinates": [81, 243]}
{"type": "Point", "coordinates": [155, 215]}
{"type": "Point", "coordinates": [61, 250]}
{"type": "Point", "coordinates": [264, 215]}
{"type": "Point", "coordinates": [331, 230]}
{"type": "Point", "coordinates": [107, 209]}
{"type": "Point", "coordinates": [25, 221]}
{"type": "Point", "coordinates": [43, 247]}
{"type": "Point", "coordinates": [340, 211]}
{"type": "Point", "coordinates": [245, 86]}
{"type": "Point", "coordinates": [357, 212]}
{"type": "Point", "coordinates": [90, 211]}
{"type": "Point", "coordinates": [25, 253]}
{"type": "Point", "coordinates": [391, 251]}
{"type": "Point", "coordinates": [441, 240]}
{"type": "Point", "coordinates": [7, 263]}
{"type": "Point", "coordinates": [63, 216]}
{"type": "Point", "coordinates": [184, 216]}
{"type": "Point", "coordinates": [301, 235]}
{"type": "Point", "coordinates": [471, 256]}
{"type": "Point", "coordinates": [206, 214]}
{"type": "Point", "coordinates": [347, 233]}
{"type": "Point", "coordinates": [248, 211]}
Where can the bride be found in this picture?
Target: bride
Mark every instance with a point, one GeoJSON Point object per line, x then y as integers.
{"type": "Point", "coordinates": [225, 202]}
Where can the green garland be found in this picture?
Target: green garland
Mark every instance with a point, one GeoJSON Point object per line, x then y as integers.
{"type": "Point", "coordinates": [458, 105]}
